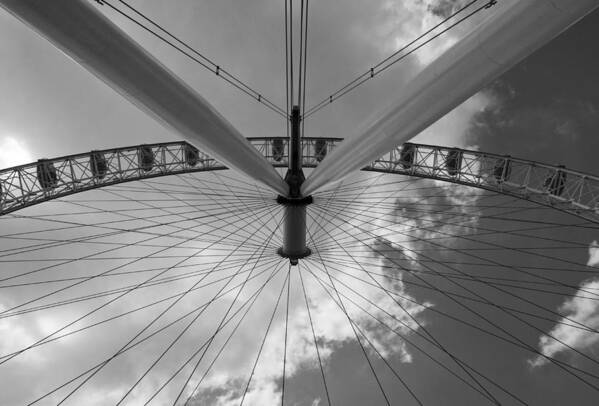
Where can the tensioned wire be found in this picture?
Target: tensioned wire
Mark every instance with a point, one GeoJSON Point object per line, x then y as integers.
{"type": "Point", "coordinates": [449, 236]}
{"type": "Point", "coordinates": [408, 207]}
{"type": "Point", "coordinates": [406, 339]}
{"type": "Point", "coordinates": [517, 343]}
{"type": "Point", "coordinates": [342, 259]}
{"type": "Point", "coordinates": [53, 337]}
{"type": "Point", "coordinates": [528, 347]}
{"type": "Point", "coordinates": [45, 268]}
{"type": "Point", "coordinates": [12, 309]}
{"type": "Point", "coordinates": [185, 202]}
{"type": "Point", "coordinates": [331, 199]}
{"type": "Point", "coordinates": [305, 64]}
{"type": "Point", "coordinates": [393, 330]}
{"type": "Point", "coordinates": [468, 253]}
{"type": "Point", "coordinates": [396, 57]}
{"type": "Point", "coordinates": [477, 216]}
{"type": "Point", "coordinates": [220, 351]}
{"type": "Point", "coordinates": [127, 291]}
{"type": "Point", "coordinates": [157, 331]}
{"type": "Point", "coordinates": [349, 264]}
{"type": "Point", "coordinates": [4, 357]}
{"type": "Point", "coordinates": [260, 256]}
{"type": "Point", "coordinates": [481, 281]}
{"type": "Point", "coordinates": [339, 297]}
{"type": "Point", "coordinates": [168, 308]}
{"type": "Point", "coordinates": [272, 316]}
{"type": "Point", "coordinates": [322, 374]}
{"type": "Point", "coordinates": [171, 224]}
{"type": "Point", "coordinates": [137, 229]}
{"type": "Point", "coordinates": [370, 209]}
{"type": "Point", "coordinates": [341, 305]}
{"type": "Point", "coordinates": [140, 230]}
{"type": "Point", "coordinates": [480, 194]}
{"type": "Point", "coordinates": [237, 216]}
{"type": "Point", "coordinates": [499, 327]}
{"type": "Point", "coordinates": [258, 219]}
{"type": "Point", "coordinates": [373, 213]}
{"type": "Point", "coordinates": [231, 264]}
{"type": "Point", "coordinates": [440, 312]}
{"type": "Point", "coordinates": [335, 254]}
{"type": "Point", "coordinates": [212, 188]}
{"type": "Point", "coordinates": [193, 321]}
{"type": "Point", "coordinates": [341, 208]}
{"type": "Point", "coordinates": [190, 52]}
{"type": "Point", "coordinates": [411, 317]}
{"type": "Point", "coordinates": [286, 320]}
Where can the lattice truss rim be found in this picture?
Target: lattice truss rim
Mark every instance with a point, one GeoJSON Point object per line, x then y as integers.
{"type": "Point", "coordinates": [566, 190]}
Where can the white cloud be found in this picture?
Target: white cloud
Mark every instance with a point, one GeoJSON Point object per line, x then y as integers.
{"type": "Point", "coordinates": [409, 19]}
{"type": "Point", "coordinates": [331, 328]}
{"type": "Point", "coordinates": [452, 129]}
{"type": "Point", "coordinates": [13, 336]}
{"type": "Point", "coordinates": [578, 309]}
{"type": "Point", "coordinates": [13, 152]}
{"type": "Point", "coordinates": [593, 254]}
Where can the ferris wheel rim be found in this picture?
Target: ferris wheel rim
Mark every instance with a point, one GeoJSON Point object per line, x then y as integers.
{"type": "Point", "coordinates": [343, 297]}
{"type": "Point", "coordinates": [555, 186]}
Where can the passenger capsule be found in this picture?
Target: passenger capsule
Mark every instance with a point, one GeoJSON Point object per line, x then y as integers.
{"type": "Point", "coordinates": [146, 158]}
{"type": "Point", "coordinates": [555, 183]}
{"type": "Point", "coordinates": [502, 169]}
{"type": "Point", "coordinates": [453, 162]}
{"type": "Point", "coordinates": [320, 149]}
{"type": "Point", "coordinates": [278, 149]}
{"type": "Point", "coordinates": [192, 155]}
{"type": "Point", "coordinates": [98, 164]}
{"type": "Point", "coordinates": [407, 155]}
{"type": "Point", "coordinates": [46, 174]}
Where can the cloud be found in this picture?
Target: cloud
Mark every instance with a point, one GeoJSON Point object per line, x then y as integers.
{"type": "Point", "coordinates": [401, 22]}
{"type": "Point", "coordinates": [555, 124]}
{"type": "Point", "coordinates": [453, 130]}
{"type": "Point", "coordinates": [593, 254]}
{"type": "Point", "coordinates": [332, 330]}
{"type": "Point", "coordinates": [409, 19]}
{"type": "Point", "coordinates": [577, 309]}
{"type": "Point", "coordinates": [13, 152]}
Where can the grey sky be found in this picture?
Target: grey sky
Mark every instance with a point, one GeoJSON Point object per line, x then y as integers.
{"type": "Point", "coordinates": [545, 109]}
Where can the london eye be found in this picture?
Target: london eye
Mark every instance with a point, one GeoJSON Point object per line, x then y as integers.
{"type": "Point", "coordinates": [306, 267]}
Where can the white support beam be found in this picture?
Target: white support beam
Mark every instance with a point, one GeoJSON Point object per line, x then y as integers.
{"type": "Point", "coordinates": [94, 42]}
{"type": "Point", "coordinates": [514, 31]}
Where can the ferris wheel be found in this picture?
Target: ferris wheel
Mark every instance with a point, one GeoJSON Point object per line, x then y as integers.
{"type": "Point", "coordinates": [297, 270]}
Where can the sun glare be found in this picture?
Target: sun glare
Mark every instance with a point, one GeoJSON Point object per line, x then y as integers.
{"type": "Point", "coordinates": [13, 152]}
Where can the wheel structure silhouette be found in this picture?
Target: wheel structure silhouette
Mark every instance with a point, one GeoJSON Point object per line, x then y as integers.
{"type": "Point", "coordinates": [154, 274]}
{"type": "Point", "coordinates": [158, 265]}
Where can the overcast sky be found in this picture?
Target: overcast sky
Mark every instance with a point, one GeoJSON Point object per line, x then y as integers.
{"type": "Point", "coordinates": [544, 109]}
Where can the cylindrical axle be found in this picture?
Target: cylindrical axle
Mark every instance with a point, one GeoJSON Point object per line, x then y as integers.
{"type": "Point", "coordinates": [294, 234]}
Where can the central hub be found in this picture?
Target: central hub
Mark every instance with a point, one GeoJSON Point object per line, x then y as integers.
{"type": "Point", "coordinates": [294, 238]}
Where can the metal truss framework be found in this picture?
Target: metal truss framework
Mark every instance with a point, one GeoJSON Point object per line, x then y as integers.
{"type": "Point", "coordinates": [566, 190]}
